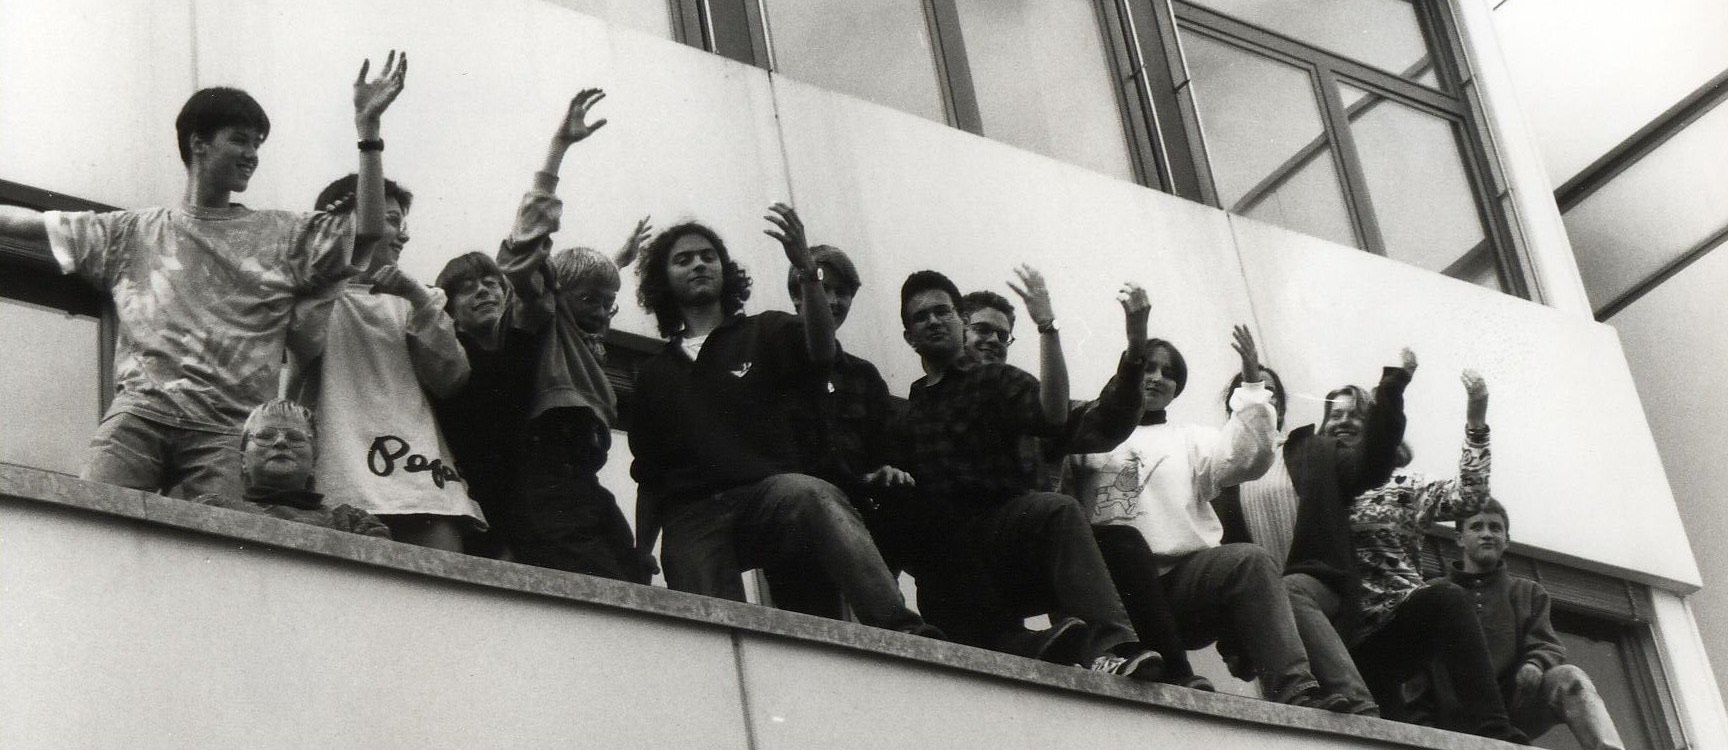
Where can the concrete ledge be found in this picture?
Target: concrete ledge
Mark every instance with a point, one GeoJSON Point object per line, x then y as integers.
{"type": "Point", "coordinates": [749, 622]}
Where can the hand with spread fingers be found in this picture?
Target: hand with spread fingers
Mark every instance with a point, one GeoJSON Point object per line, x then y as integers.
{"type": "Point", "coordinates": [576, 127]}
{"type": "Point", "coordinates": [791, 236]}
{"type": "Point", "coordinates": [372, 97]}
{"type": "Point", "coordinates": [634, 244]}
{"type": "Point", "coordinates": [1035, 294]}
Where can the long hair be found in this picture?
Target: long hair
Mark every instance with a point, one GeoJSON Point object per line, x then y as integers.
{"type": "Point", "coordinates": [1277, 384]}
{"type": "Point", "coordinates": [1362, 403]}
{"type": "Point", "coordinates": [654, 290]}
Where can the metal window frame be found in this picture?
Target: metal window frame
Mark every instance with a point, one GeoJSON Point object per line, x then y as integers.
{"type": "Point", "coordinates": [29, 273]}
{"type": "Point", "coordinates": [1608, 603]}
{"type": "Point", "coordinates": [1449, 102]}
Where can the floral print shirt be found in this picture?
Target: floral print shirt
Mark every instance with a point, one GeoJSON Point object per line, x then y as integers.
{"type": "Point", "coordinates": [1386, 526]}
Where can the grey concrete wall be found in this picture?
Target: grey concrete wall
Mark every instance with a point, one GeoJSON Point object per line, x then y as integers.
{"type": "Point", "coordinates": [136, 621]}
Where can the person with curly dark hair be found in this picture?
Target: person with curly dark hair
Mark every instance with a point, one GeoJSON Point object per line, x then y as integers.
{"type": "Point", "coordinates": [714, 441]}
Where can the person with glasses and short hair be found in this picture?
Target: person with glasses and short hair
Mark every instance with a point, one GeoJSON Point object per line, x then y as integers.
{"type": "Point", "coordinates": [534, 425]}
{"type": "Point", "coordinates": [278, 450]}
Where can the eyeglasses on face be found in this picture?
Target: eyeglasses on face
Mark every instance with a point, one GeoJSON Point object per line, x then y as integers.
{"type": "Point", "coordinates": [269, 435]}
{"type": "Point", "coordinates": [987, 331]}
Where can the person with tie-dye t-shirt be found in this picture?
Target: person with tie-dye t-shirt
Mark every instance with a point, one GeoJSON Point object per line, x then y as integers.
{"type": "Point", "coordinates": [203, 290]}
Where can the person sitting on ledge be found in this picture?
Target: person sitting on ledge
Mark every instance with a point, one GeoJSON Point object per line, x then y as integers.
{"type": "Point", "coordinates": [1540, 689]}
{"type": "Point", "coordinates": [276, 461]}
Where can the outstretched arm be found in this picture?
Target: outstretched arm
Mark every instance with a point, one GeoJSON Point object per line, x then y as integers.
{"type": "Point", "coordinates": [633, 244]}
{"type": "Point", "coordinates": [371, 99]}
{"type": "Point", "coordinates": [1372, 463]}
{"type": "Point", "coordinates": [1052, 368]}
{"type": "Point", "coordinates": [818, 319]}
{"type": "Point", "coordinates": [574, 129]}
{"type": "Point", "coordinates": [22, 224]}
{"type": "Point", "coordinates": [1243, 451]}
{"type": "Point", "coordinates": [1449, 499]}
{"type": "Point", "coordinates": [1101, 425]}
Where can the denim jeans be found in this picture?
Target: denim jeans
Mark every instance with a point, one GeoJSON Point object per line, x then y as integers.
{"type": "Point", "coordinates": [561, 516]}
{"type": "Point", "coordinates": [1437, 621]}
{"type": "Point", "coordinates": [1038, 548]}
{"type": "Point", "coordinates": [1314, 605]}
{"type": "Point", "coordinates": [1235, 593]}
{"type": "Point", "coordinates": [144, 454]}
{"type": "Point", "coordinates": [785, 519]}
{"type": "Point", "coordinates": [1134, 570]}
{"type": "Point", "coordinates": [918, 535]}
{"type": "Point", "coordinates": [1567, 695]}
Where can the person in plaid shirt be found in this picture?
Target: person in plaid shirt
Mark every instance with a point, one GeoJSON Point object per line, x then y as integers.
{"type": "Point", "coordinates": [960, 439]}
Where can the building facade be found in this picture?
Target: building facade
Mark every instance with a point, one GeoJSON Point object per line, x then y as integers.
{"type": "Point", "coordinates": [1347, 178]}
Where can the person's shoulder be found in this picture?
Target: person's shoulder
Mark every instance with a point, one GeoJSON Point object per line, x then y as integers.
{"type": "Point", "coordinates": [1003, 373]}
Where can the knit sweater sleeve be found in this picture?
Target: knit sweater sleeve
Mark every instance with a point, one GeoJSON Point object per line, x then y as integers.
{"type": "Point", "coordinates": [1539, 644]}
{"type": "Point", "coordinates": [1454, 499]}
{"type": "Point", "coordinates": [1242, 450]}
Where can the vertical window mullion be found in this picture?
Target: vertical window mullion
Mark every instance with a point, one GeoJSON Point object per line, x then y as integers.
{"type": "Point", "coordinates": [953, 71]}
{"type": "Point", "coordinates": [1348, 161]}
{"type": "Point", "coordinates": [1181, 153]}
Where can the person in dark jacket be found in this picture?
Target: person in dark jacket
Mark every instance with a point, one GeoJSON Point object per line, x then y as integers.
{"type": "Point", "coordinates": [714, 446]}
{"type": "Point", "coordinates": [1540, 689]}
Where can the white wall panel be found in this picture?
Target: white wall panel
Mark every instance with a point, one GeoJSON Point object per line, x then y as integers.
{"type": "Point", "coordinates": [902, 195]}
{"type": "Point", "coordinates": [1573, 458]}
{"type": "Point", "coordinates": [88, 94]}
{"type": "Point", "coordinates": [122, 634]}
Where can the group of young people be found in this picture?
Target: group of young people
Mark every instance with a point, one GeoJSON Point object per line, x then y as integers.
{"type": "Point", "coordinates": [475, 414]}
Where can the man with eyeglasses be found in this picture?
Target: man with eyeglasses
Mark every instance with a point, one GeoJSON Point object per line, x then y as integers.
{"type": "Point", "coordinates": [277, 456]}
{"type": "Point", "coordinates": [961, 440]}
{"type": "Point", "coordinates": [533, 427]}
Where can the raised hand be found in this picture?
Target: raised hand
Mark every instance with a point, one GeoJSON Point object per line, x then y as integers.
{"type": "Point", "coordinates": [392, 279]}
{"type": "Point", "coordinates": [791, 236]}
{"type": "Point", "coordinates": [1476, 388]}
{"type": "Point", "coordinates": [1136, 311]}
{"type": "Point", "coordinates": [576, 126]}
{"type": "Point", "coordinates": [372, 97]}
{"type": "Point", "coordinates": [1035, 294]}
{"type": "Point", "coordinates": [1407, 361]}
{"type": "Point", "coordinates": [1244, 346]}
{"type": "Point", "coordinates": [888, 476]}
{"type": "Point", "coordinates": [633, 244]}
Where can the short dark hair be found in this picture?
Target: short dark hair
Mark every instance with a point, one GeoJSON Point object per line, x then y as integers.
{"type": "Point", "coordinates": [925, 281]}
{"type": "Point", "coordinates": [213, 109]}
{"type": "Point", "coordinates": [1492, 507]}
{"type": "Point", "coordinates": [834, 262]}
{"type": "Point", "coordinates": [1178, 364]}
{"type": "Point", "coordinates": [470, 266]}
{"type": "Point", "coordinates": [654, 290]}
{"type": "Point", "coordinates": [345, 187]}
{"type": "Point", "coordinates": [1278, 403]}
{"type": "Point", "coordinates": [975, 301]}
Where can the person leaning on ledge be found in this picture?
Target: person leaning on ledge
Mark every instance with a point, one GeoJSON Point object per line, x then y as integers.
{"type": "Point", "coordinates": [276, 461]}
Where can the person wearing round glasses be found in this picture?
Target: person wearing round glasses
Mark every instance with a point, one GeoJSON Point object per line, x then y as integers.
{"type": "Point", "coordinates": [277, 456]}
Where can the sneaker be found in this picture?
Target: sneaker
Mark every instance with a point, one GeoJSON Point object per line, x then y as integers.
{"type": "Point", "coordinates": [1196, 682]}
{"type": "Point", "coordinates": [1065, 642]}
{"type": "Point", "coordinates": [1316, 698]}
{"type": "Point", "coordinates": [1138, 664]}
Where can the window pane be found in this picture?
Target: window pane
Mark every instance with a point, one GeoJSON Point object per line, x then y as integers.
{"type": "Point", "coordinates": [51, 357]}
{"type": "Point", "coordinates": [1062, 106]}
{"type": "Point", "coordinates": [1265, 140]}
{"type": "Point", "coordinates": [1421, 192]}
{"type": "Point", "coordinates": [1602, 649]}
{"type": "Point", "coordinates": [1383, 33]}
{"type": "Point", "coordinates": [878, 50]}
